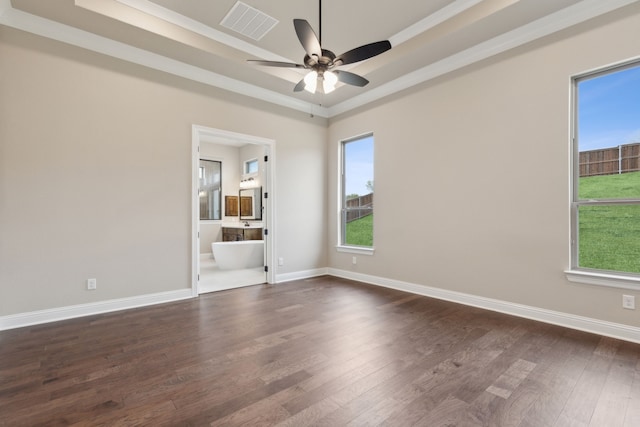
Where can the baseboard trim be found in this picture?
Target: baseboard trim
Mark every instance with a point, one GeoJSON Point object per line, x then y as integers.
{"type": "Point", "coordinates": [70, 312]}
{"type": "Point", "coordinates": [304, 274]}
{"type": "Point", "coordinates": [586, 324]}
{"type": "Point", "coordinates": [20, 320]}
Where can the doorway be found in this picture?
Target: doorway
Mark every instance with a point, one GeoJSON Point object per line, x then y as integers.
{"type": "Point", "coordinates": [203, 137]}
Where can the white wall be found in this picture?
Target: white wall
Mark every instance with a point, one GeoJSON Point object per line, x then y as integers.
{"type": "Point", "coordinates": [472, 175]}
{"type": "Point", "coordinates": [95, 175]}
{"type": "Point", "coordinates": [250, 152]}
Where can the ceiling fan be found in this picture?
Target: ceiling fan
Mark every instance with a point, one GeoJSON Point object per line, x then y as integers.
{"type": "Point", "coordinates": [321, 62]}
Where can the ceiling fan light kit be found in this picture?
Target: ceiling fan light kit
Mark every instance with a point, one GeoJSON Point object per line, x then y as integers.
{"type": "Point", "coordinates": [329, 81]}
{"type": "Point", "coordinates": [321, 62]}
{"type": "Point", "coordinates": [311, 81]}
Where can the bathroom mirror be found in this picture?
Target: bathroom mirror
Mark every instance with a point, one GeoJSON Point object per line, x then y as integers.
{"type": "Point", "coordinates": [251, 203]}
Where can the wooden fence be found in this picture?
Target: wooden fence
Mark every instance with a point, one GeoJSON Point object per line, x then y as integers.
{"type": "Point", "coordinates": [364, 202]}
{"type": "Point", "coordinates": [609, 161]}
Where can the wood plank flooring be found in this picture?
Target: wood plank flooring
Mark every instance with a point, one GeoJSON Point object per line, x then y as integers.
{"type": "Point", "coordinates": [321, 352]}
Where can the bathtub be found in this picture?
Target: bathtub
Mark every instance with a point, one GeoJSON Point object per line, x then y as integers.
{"type": "Point", "coordinates": [238, 254]}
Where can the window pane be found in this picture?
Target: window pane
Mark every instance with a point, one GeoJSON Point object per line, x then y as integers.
{"type": "Point", "coordinates": [357, 218]}
{"type": "Point", "coordinates": [210, 189]}
{"type": "Point", "coordinates": [618, 186]}
{"type": "Point", "coordinates": [607, 118]}
{"type": "Point", "coordinates": [608, 130]}
{"type": "Point", "coordinates": [359, 230]}
{"type": "Point", "coordinates": [609, 237]}
{"type": "Point", "coordinates": [251, 166]}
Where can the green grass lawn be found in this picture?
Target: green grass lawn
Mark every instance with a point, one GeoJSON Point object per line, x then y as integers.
{"type": "Point", "coordinates": [609, 235]}
{"type": "Point", "coordinates": [360, 232]}
{"type": "Point", "coordinates": [622, 186]}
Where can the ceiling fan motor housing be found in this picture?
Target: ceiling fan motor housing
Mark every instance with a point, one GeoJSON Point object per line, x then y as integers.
{"type": "Point", "coordinates": [323, 62]}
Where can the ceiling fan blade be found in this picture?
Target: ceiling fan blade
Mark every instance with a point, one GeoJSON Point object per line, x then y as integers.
{"type": "Point", "coordinates": [307, 37]}
{"type": "Point", "coordinates": [276, 63]}
{"type": "Point", "coordinates": [350, 78]}
{"type": "Point", "coordinates": [363, 52]}
{"type": "Point", "coordinates": [300, 86]}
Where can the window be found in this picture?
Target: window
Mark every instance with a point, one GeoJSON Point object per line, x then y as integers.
{"type": "Point", "coordinates": [606, 183]}
{"type": "Point", "coordinates": [356, 223]}
{"type": "Point", "coordinates": [210, 186]}
{"type": "Point", "coordinates": [251, 166]}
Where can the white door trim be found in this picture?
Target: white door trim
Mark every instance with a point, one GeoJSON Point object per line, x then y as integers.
{"type": "Point", "coordinates": [205, 134]}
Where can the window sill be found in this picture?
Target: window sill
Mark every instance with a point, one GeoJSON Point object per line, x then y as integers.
{"type": "Point", "coordinates": [355, 250]}
{"type": "Point", "coordinates": [603, 279]}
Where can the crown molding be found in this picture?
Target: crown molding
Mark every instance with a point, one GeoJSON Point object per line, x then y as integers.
{"type": "Point", "coordinates": [542, 27]}
{"type": "Point", "coordinates": [167, 15]}
{"type": "Point", "coordinates": [197, 27]}
{"type": "Point", "coordinates": [565, 18]}
{"type": "Point", "coordinates": [53, 30]}
{"type": "Point", "coordinates": [447, 12]}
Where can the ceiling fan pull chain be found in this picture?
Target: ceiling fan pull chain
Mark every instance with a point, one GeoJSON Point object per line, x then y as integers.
{"type": "Point", "coordinates": [320, 22]}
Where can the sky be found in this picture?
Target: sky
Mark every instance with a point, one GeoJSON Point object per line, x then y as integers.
{"type": "Point", "coordinates": [359, 166]}
{"type": "Point", "coordinates": [609, 110]}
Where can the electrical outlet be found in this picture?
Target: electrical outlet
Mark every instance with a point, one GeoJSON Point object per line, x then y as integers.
{"type": "Point", "coordinates": [354, 260]}
{"type": "Point", "coordinates": [629, 302]}
{"type": "Point", "coordinates": [92, 284]}
{"type": "Point", "coordinates": [280, 261]}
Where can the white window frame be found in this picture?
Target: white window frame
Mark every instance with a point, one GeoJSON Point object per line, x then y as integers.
{"type": "Point", "coordinates": [341, 246]}
{"type": "Point", "coordinates": [576, 273]}
{"type": "Point", "coordinates": [245, 169]}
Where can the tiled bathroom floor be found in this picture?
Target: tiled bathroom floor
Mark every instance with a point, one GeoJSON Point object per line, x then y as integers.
{"type": "Point", "coordinates": [213, 279]}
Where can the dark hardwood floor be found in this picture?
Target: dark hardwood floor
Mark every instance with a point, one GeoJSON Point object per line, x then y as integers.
{"type": "Point", "coordinates": [323, 351]}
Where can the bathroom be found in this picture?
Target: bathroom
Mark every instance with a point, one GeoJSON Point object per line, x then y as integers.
{"type": "Point", "coordinates": [232, 215]}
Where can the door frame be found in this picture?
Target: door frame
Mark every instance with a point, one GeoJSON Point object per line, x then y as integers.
{"type": "Point", "coordinates": [219, 136]}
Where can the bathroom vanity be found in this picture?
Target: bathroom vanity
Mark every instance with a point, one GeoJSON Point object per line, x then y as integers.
{"type": "Point", "coordinates": [241, 232]}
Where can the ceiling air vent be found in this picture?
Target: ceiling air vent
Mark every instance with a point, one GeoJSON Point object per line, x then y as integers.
{"type": "Point", "coordinates": [248, 21]}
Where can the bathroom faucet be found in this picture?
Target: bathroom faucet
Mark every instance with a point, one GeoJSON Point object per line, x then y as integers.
{"type": "Point", "coordinates": [246, 224]}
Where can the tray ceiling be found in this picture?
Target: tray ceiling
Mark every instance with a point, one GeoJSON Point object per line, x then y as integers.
{"type": "Point", "coordinates": [187, 38]}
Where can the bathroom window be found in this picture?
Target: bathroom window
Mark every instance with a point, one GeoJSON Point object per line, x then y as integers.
{"type": "Point", "coordinates": [210, 189]}
{"type": "Point", "coordinates": [606, 174]}
{"type": "Point", "coordinates": [251, 167]}
{"type": "Point", "coordinates": [356, 213]}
